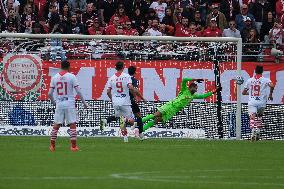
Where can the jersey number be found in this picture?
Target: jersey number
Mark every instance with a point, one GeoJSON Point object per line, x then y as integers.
{"type": "Point", "coordinates": [119, 87]}
{"type": "Point", "coordinates": [255, 90]}
{"type": "Point", "coordinates": [61, 88]}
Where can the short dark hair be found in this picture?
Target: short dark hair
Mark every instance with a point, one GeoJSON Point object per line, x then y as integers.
{"type": "Point", "coordinates": [65, 65]}
{"type": "Point", "coordinates": [192, 85]}
{"type": "Point", "coordinates": [119, 66]}
{"type": "Point", "coordinates": [131, 70]}
{"type": "Point", "coordinates": [259, 69]}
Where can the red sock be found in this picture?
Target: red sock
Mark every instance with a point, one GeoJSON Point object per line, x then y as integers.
{"type": "Point", "coordinates": [251, 123]}
{"type": "Point", "coordinates": [53, 136]}
{"type": "Point", "coordinates": [73, 137]}
{"type": "Point", "coordinates": [124, 132]}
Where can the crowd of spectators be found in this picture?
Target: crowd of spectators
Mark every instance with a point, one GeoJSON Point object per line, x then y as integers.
{"type": "Point", "coordinates": [253, 20]}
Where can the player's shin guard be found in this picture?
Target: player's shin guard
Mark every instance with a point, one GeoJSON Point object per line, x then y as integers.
{"type": "Point", "coordinates": [252, 123]}
{"type": "Point", "coordinates": [148, 117]}
{"type": "Point", "coordinates": [140, 124]}
{"type": "Point", "coordinates": [73, 136]}
{"type": "Point", "coordinates": [148, 125]}
{"type": "Point", "coordinates": [53, 136]}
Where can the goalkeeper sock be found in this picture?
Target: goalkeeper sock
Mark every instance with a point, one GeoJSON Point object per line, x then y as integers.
{"type": "Point", "coordinates": [73, 137]}
{"type": "Point", "coordinates": [148, 125]}
{"type": "Point", "coordinates": [53, 136]}
{"type": "Point", "coordinates": [140, 124]}
{"type": "Point", "coordinates": [148, 117]}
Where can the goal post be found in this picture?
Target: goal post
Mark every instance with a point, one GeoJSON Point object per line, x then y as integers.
{"type": "Point", "coordinates": [186, 41]}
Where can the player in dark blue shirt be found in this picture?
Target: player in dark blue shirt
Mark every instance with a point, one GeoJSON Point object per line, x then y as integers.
{"type": "Point", "coordinates": [134, 105]}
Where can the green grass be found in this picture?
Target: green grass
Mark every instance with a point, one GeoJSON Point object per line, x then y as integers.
{"type": "Point", "coordinates": [25, 162]}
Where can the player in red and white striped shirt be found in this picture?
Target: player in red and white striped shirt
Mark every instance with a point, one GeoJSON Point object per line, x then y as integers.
{"type": "Point", "coordinates": [62, 95]}
{"type": "Point", "coordinates": [256, 87]}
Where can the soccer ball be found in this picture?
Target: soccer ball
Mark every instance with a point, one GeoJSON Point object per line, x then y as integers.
{"type": "Point", "coordinates": [239, 80]}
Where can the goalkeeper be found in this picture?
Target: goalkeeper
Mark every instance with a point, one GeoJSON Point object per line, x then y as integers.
{"type": "Point", "coordinates": [168, 110]}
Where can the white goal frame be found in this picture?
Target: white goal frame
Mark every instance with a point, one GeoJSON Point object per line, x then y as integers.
{"type": "Point", "coordinates": [238, 41]}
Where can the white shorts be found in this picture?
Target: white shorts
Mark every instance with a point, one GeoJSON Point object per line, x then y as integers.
{"type": "Point", "coordinates": [125, 111]}
{"type": "Point", "coordinates": [66, 116]}
{"type": "Point", "coordinates": [256, 109]}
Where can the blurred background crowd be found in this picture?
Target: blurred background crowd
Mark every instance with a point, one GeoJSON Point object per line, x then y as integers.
{"type": "Point", "coordinates": [254, 21]}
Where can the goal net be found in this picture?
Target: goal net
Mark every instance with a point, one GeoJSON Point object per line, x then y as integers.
{"type": "Point", "coordinates": [29, 61]}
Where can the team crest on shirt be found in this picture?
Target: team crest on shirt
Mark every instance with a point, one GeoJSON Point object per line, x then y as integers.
{"type": "Point", "coordinates": [21, 77]}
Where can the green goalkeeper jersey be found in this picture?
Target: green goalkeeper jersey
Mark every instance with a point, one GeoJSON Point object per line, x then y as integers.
{"type": "Point", "coordinates": [184, 97]}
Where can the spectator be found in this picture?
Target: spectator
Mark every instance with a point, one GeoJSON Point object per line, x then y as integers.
{"type": "Point", "coordinates": [232, 31]}
{"type": "Point", "coordinates": [267, 24]}
{"type": "Point", "coordinates": [193, 32]}
{"type": "Point", "coordinates": [57, 4]}
{"type": "Point", "coordinates": [259, 10]}
{"type": "Point", "coordinates": [54, 18]}
{"type": "Point", "coordinates": [75, 26]}
{"type": "Point", "coordinates": [37, 28]}
{"type": "Point", "coordinates": [11, 28]}
{"type": "Point", "coordinates": [166, 30]}
{"type": "Point", "coordinates": [11, 4]}
{"type": "Point", "coordinates": [90, 14]}
{"type": "Point", "coordinates": [203, 9]}
{"type": "Point", "coordinates": [230, 8]}
{"type": "Point", "coordinates": [76, 5]}
{"type": "Point", "coordinates": [212, 30]}
{"type": "Point", "coordinates": [12, 18]}
{"type": "Point", "coordinates": [154, 30]}
{"type": "Point", "coordinates": [151, 14]}
{"type": "Point", "coordinates": [276, 34]}
{"type": "Point", "coordinates": [27, 19]}
{"type": "Point", "coordinates": [40, 6]}
{"type": "Point", "coordinates": [112, 29]}
{"type": "Point", "coordinates": [159, 8]}
{"type": "Point", "coordinates": [252, 47]}
{"type": "Point", "coordinates": [218, 16]}
{"type": "Point", "coordinates": [279, 8]}
{"type": "Point", "coordinates": [138, 21]}
{"type": "Point", "coordinates": [133, 5]}
{"type": "Point", "coordinates": [120, 13]}
{"type": "Point", "coordinates": [241, 17]}
{"type": "Point", "coordinates": [200, 24]}
{"type": "Point", "coordinates": [182, 29]}
{"type": "Point", "coordinates": [65, 13]}
{"type": "Point", "coordinates": [96, 29]}
{"type": "Point", "coordinates": [129, 30]}
{"type": "Point", "coordinates": [188, 7]}
{"type": "Point", "coordinates": [246, 30]}
{"type": "Point", "coordinates": [169, 19]}
{"type": "Point", "coordinates": [107, 9]}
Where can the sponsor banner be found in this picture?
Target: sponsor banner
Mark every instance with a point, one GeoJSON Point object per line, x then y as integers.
{"type": "Point", "coordinates": [159, 80]}
{"type": "Point", "coordinates": [95, 132]}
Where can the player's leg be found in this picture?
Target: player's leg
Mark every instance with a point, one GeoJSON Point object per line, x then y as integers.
{"type": "Point", "coordinates": [71, 119]}
{"type": "Point", "coordinates": [252, 110]}
{"type": "Point", "coordinates": [156, 119]}
{"type": "Point", "coordinates": [58, 121]}
{"type": "Point", "coordinates": [136, 111]}
{"type": "Point", "coordinates": [258, 121]}
{"type": "Point", "coordinates": [109, 119]}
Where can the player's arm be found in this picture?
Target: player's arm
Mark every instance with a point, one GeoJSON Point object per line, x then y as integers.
{"type": "Point", "coordinates": [137, 92]}
{"type": "Point", "coordinates": [79, 93]}
{"type": "Point", "coordinates": [50, 95]}
{"type": "Point", "coordinates": [109, 93]}
{"type": "Point", "coordinates": [271, 85]}
{"type": "Point", "coordinates": [131, 89]}
{"type": "Point", "coordinates": [51, 91]}
{"type": "Point", "coordinates": [246, 89]}
{"type": "Point", "coordinates": [206, 95]}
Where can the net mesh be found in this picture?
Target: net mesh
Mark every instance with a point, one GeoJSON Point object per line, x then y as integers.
{"type": "Point", "coordinates": [30, 111]}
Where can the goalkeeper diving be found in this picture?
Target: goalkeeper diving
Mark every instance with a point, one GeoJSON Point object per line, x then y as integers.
{"type": "Point", "coordinates": [171, 108]}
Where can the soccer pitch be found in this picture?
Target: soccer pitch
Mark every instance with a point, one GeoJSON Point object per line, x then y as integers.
{"type": "Point", "coordinates": [155, 163]}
